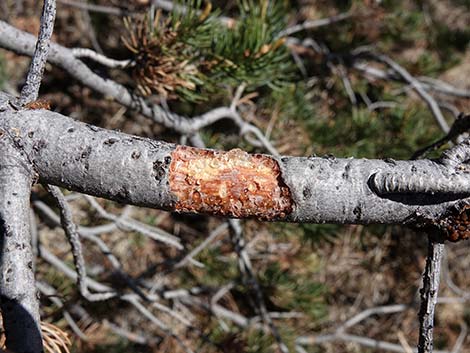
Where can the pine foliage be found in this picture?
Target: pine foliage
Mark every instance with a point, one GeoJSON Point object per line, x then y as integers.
{"type": "Point", "coordinates": [192, 53]}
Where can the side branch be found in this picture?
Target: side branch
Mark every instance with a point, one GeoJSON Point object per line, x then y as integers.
{"type": "Point", "coordinates": [30, 90]}
{"type": "Point", "coordinates": [18, 298]}
{"type": "Point", "coordinates": [429, 292]}
{"type": "Point", "coordinates": [139, 171]}
{"type": "Point", "coordinates": [23, 43]}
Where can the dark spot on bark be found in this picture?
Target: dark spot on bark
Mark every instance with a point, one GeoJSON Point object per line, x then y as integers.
{"type": "Point", "coordinates": [8, 202]}
{"type": "Point", "coordinates": [86, 153]}
{"type": "Point", "coordinates": [110, 141]}
{"type": "Point", "coordinates": [19, 246]}
{"type": "Point", "coordinates": [4, 228]}
{"type": "Point", "coordinates": [167, 160]}
{"type": "Point", "coordinates": [159, 170]}
{"type": "Point", "coordinates": [307, 192]}
{"type": "Point", "coordinates": [284, 159]}
{"type": "Point", "coordinates": [123, 195]}
{"type": "Point", "coordinates": [347, 168]}
{"type": "Point", "coordinates": [312, 166]}
{"type": "Point", "coordinates": [84, 157]}
{"type": "Point", "coordinates": [31, 134]}
{"type": "Point", "coordinates": [70, 129]}
{"type": "Point", "coordinates": [2, 133]}
{"type": "Point", "coordinates": [14, 193]}
{"type": "Point", "coordinates": [414, 169]}
{"type": "Point", "coordinates": [135, 155]}
{"type": "Point", "coordinates": [92, 127]}
{"type": "Point", "coordinates": [39, 145]}
{"type": "Point", "coordinates": [390, 161]}
{"type": "Point", "coordinates": [30, 265]}
{"type": "Point", "coordinates": [330, 157]}
{"type": "Point", "coordinates": [18, 142]}
{"type": "Point", "coordinates": [357, 212]}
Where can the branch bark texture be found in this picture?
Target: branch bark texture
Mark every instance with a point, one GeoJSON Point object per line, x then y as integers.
{"type": "Point", "coordinates": [139, 171]}
{"type": "Point", "coordinates": [30, 90]}
{"type": "Point", "coordinates": [18, 296]}
{"type": "Point", "coordinates": [429, 293]}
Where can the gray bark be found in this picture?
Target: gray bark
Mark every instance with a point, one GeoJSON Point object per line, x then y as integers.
{"type": "Point", "coordinates": [18, 296]}
{"type": "Point", "coordinates": [429, 294]}
{"type": "Point", "coordinates": [30, 90]}
{"type": "Point", "coordinates": [134, 170]}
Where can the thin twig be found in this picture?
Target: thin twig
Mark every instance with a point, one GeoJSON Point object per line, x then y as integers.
{"type": "Point", "coordinates": [108, 10]}
{"type": "Point", "coordinates": [51, 294]}
{"type": "Point", "coordinates": [100, 58]}
{"type": "Point", "coordinates": [461, 339]}
{"type": "Point", "coordinates": [346, 337]}
{"type": "Point", "coordinates": [152, 232]}
{"type": "Point", "coordinates": [433, 106]}
{"type": "Point", "coordinates": [311, 24]}
{"type": "Point", "coordinates": [251, 282]}
{"type": "Point", "coordinates": [431, 278]}
{"type": "Point", "coordinates": [91, 31]}
{"type": "Point", "coordinates": [30, 90]}
{"type": "Point", "coordinates": [72, 235]}
{"type": "Point", "coordinates": [214, 234]}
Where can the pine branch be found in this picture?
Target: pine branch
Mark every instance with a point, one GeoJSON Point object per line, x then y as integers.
{"type": "Point", "coordinates": [155, 174]}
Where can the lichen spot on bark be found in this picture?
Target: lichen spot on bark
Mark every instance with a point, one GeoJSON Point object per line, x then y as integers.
{"type": "Point", "coordinates": [232, 183]}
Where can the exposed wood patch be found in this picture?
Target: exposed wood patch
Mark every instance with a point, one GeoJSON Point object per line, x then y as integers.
{"type": "Point", "coordinates": [232, 183]}
{"type": "Point", "coordinates": [38, 104]}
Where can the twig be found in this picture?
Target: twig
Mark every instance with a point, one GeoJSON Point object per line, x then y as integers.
{"type": "Point", "coordinates": [22, 42]}
{"type": "Point", "coordinates": [456, 155]}
{"type": "Point", "coordinates": [214, 234]}
{"type": "Point", "coordinates": [72, 235]}
{"type": "Point", "coordinates": [100, 58]}
{"type": "Point", "coordinates": [429, 292]}
{"type": "Point", "coordinates": [311, 24]}
{"type": "Point", "coordinates": [152, 232]}
{"type": "Point", "coordinates": [152, 318]}
{"type": "Point", "coordinates": [379, 310]}
{"type": "Point", "coordinates": [30, 90]}
{"type": "Point", "coordinates": [427, 82]}
{"type": "Point", "coordinates": [51, 294]}
{"type": "Point", "coordinates": [91, 31]}
{"type": "Point", "coordinates": [251, 281]}
{"type": "Point", "coordinates": [461, 339]}
{"type": "Point", "coordinates": [346, 337]}
{"type": "Point", "coordinates": [433, 106]}
{"type": "Point", "coordinates": [128, 335]}
{"type": "Point", "coordinates": [443, 87]}
{"type": "Point", "coordinates": [109, 10]}
{"type": "Point", "coordinates": [460, 126]}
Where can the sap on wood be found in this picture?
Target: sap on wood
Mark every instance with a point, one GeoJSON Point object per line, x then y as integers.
{"type": "Point", "coordinates": [232, 183]}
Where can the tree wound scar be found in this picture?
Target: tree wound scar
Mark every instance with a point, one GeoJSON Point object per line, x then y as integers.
{"type": "Point", "coordinates": [232, 183]}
